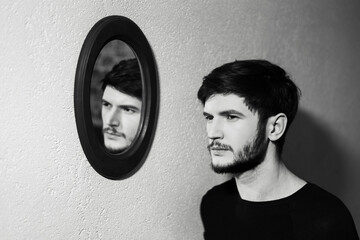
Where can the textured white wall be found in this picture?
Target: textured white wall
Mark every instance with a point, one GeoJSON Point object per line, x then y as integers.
{"type": "Point", "coordinates": [49, 190]}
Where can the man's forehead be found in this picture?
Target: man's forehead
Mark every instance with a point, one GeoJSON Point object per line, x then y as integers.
{"type": "Point", "coordinates": [112, 91]}
{"type": "Point", "coordinates": [224, 99]}
{"type": "Point", "coordinates": [117, 97]}
{"type": "Point", "coordinates": [225, 102]}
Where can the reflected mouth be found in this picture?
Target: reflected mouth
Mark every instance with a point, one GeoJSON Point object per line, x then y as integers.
{"type": "Point", "coordinates": [219, 149]}
{"type": "Point", "coordinates": [113, 132]}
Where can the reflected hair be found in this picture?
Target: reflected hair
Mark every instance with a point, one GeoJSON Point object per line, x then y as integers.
{"type": "Point", "coordinates": [125, 77]}
{"type": "Point", "coordinates": [266, 88]}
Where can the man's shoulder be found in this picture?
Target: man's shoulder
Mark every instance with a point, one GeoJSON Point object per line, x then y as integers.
{"type": "Point", "coordinates": [325, 213]}
{"type": "Point", "coordinates": [223, 195]}
{"type": "Point", "coordinates": [223, 189]}
{"type": "Point", "coordinates": [217, 203]}
{"type": "Point", "coordinates": [320, 197]}
{"type": "Point", "coordinates": [325, 205]}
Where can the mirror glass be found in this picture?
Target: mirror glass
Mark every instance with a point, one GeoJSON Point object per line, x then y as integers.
{"type": "Point", "coordinates": [116, 97]}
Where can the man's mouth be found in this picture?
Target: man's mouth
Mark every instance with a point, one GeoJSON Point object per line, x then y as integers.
{"type": "Point", "coordinates": [113, 133]}
{"type": "Point", "coordinates": [219, 151]}
{"type": "Point", "coordinates": [219, 147]}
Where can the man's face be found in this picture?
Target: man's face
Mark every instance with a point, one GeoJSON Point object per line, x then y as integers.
{"type": "Point", "coordinates": [236, 144]}
{"type": "Point", "coordinates": [121, 117]}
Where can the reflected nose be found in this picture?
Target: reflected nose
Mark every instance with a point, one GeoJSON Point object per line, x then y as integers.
{"type": "Point", "coordinates": [214, 130]}
{"type": "Point", "coordinates": [113, 118]}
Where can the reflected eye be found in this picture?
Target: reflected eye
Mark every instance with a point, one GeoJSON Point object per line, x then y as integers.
{"type": "Point", "coordinates": [105, 104]}
{"type": "Point", "coordinates": [130, 110]}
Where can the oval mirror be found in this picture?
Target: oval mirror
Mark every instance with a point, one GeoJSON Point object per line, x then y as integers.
{"type": "Point", "coordinates": [116, 97]}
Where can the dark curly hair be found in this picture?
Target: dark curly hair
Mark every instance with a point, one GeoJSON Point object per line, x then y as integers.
{"type": "Point", "coordinates": [125, 77]}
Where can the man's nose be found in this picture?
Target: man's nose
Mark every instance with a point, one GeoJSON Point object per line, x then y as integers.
{"type": "Point", "coordinates": [114, 118]}
{"type": "Point", "coordinates": [215, 130]}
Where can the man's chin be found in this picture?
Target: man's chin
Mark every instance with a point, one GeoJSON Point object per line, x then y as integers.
{"type": "Point", "coordinates": [222, 169]}
{"type": "Point", "coordinates": [115, 149]}
{"type": "Point", "coordinates": [222, 161]}
{"type": "Point", "coordinates": [219, 165]}
{"type": "Point", "coordinates": [234, 167]}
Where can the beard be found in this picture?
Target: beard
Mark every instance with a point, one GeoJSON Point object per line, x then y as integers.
{"type": "Point", "coordinates": [114, 146]}
{"type": "Point", "coordinates": [251, 156]}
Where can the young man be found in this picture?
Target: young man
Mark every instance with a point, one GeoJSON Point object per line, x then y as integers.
{"type": "Point", "coordinates": [249, 106]}
{"type": "Point", "coordinates": [121, 105]}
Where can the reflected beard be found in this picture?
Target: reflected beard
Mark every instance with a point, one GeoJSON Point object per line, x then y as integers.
{"type": "Point", "coordinates": [251, 156]}
{"type": "Point", "coordinates": [110, 147]}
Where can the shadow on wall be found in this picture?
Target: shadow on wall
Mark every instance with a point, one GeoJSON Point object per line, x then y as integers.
{"type": "Point", "coordinates": [312, 154]}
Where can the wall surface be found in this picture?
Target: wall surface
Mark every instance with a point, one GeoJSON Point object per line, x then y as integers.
{"type": "Point", "coordinates": [49, 190]}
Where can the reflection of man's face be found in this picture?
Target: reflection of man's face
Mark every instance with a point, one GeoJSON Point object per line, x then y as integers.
{"type": "Point", "coordinates": [121, 117]}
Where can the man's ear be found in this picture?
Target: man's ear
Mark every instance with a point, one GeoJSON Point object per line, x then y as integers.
{"type": "Point", "coordinates": [276, 126]}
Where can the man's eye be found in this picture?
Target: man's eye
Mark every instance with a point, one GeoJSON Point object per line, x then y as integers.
{"type": "Point", "coordinates": [129, 110]}
{"type": "Point", "coordinates": [231, 117]}
{"type": "Point", "coordinates": [105, 104]}
{"type": "Point", "coordinates": [208, 118]}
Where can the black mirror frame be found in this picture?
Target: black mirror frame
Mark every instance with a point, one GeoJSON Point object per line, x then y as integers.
{"type": "Point", "coordinates": [122, 165]}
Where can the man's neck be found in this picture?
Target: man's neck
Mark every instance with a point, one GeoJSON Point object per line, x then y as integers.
{"type": "Point", "coordinates": [271, 180]}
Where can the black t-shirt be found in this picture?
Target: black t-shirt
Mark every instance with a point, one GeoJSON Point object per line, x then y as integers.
{"type": "Point", "coordinates": [310, 213]}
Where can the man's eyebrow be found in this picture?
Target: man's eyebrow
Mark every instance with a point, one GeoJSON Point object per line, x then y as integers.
{"type": "Point", "coordinates": [226, 113]}
{"type": "Point", "coordinates": [231, 112]}
{"type": "Point", "coordinates": [206, 114]}
{"type": "Point", "coordinates": [125, 106]}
